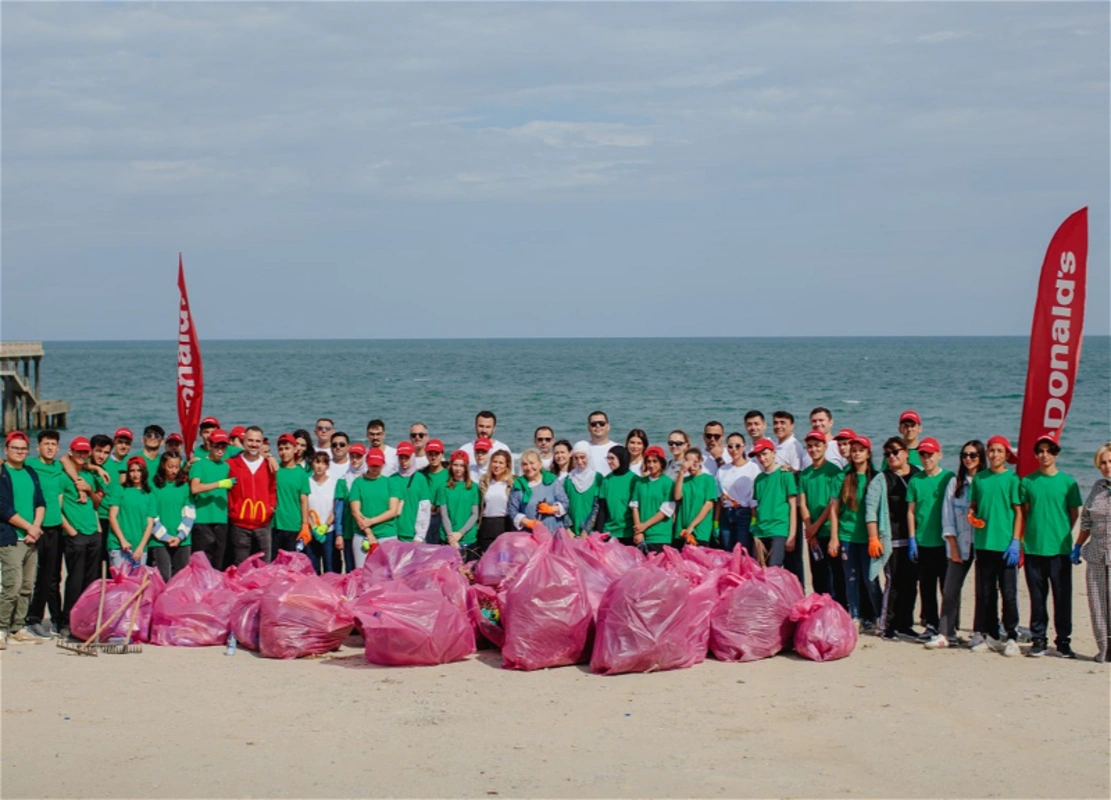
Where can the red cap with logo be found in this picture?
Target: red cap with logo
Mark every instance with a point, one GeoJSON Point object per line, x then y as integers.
{"type": "Point", "coordinates": [356, 449]}
{"type": "Point", "coordinates": [136, 460]}
{"type": "Point", "coordinates": [123, 433]}
{"type": "Point", "coordinates": [434, 446]}
{"type": "Point", "coordinates": [845, 433]}
{"type": "Point", "coordinates": [175, 437]}
{"type": "Point", "coordinates": [912, 416]}
{"type": "Point", "coordinates": [483, 444]}
{"type": "Point", "coordinates": [405, 449]}
{"type": "Point", "coordinates": [1012, 458]}
{"type": "Point", "coordinates": [287, 438]}
{"type": "Point", "coordinates": [863, 441]}
{"type": "Point", "coordinates": [657, 451]}
{"type": "Point", "coordinates": [238, 432]}
{"type": "Point", "coordinates": [218, 437]}
{"type": "Point", "coordinates": [929, 445]}
{"type": "Point", "coordinates": [79, 444]}
{"type": "Point", "coordinates": [761, 445]}
{"type": "Point", "coordinates": [210, 422]}
{"type": "Point", "coordinates": [16, 435]}
{"type": "Point", "coordinates": [461, 455]}
{"type": "Point", "coordinates": [375, 458]}
{"type": "Point", "coordinates": [815, 435]}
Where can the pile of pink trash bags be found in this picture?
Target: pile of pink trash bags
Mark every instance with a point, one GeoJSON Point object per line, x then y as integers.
{"type": "Point", "coordinates": [544, 600]}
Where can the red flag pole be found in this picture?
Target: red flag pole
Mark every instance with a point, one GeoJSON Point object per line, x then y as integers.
{"type": "Point", "coordinates": [1055, 338]}
{"type": "Point", "coordinates": [190, 375]}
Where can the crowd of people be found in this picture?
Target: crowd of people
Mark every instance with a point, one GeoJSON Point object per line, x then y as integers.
{"type": "Point", "coordinates": [819, 505]}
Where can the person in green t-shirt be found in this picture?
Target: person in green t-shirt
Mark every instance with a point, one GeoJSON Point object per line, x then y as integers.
{"type": "Point", "coordinates": [614, 515]}
{"type": "Point", "coordinates": [24, 507]}
{"type": "Point", "coordinates": [51, 545]}
{"type": "Point", "coordinates": [131, 515]}
{"type": "Point", "coordinates": [995, 502]}
{"type": "Point", "coordinates": [910, 429]}
{"type": "Point", "coordinates": [696, 494]}
{"type": "Point", "coordinates": [459, 500]}
{"type": "Point", "coordinates": [774, 519]}
{"type": "Point", "coordinates": [581, 486]}
{"type": "Point", "coordinates": [865, 598]}
{"type": "Point", "coordinates": [176, 515]}
{"type": "Point", "coordinates": [375, 506]}
{"type": "Point", "coordinates": [925, 502]}
{"type": "Point", "coordinates": [652, 506]}
{"type": "Point", "coordinates": [291, 516]}
{"type": "Point", "coordinates": [81, 526]}
{"type": "Point", "coordinates": [437, 474]}
{"type": "Point", "coordinates": [816, 492]}
{"type": "Point", "coordinates": [416, 497]}
{"type": "Point", "coordinates": [209, 483]}
{"type": "Point", "coordinates": [1051, 502]}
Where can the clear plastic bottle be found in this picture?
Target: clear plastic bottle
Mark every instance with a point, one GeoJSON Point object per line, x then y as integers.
{"type": "Point", "coordinates": [231, 644]}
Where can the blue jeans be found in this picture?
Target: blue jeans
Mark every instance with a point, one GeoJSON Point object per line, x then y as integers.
{"type": "Point", "coordinates": [323, 553]}
{"type": "Point", "coordinates": [856, 561]}
{"type": "Point", "coordinates": [435, 525]}
{"type": "Point", "coordinates": [734, 526]}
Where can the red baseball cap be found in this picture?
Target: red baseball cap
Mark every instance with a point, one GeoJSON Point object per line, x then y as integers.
{"type": "Point", "coordinates": [863, 441]}
{"type": "Point", "coordinates": [929, 445]}
{"type": "Point", "coordinates": [815, 435]}
{"type": "Point", "coordinates": [285, 438]}
{"type": "Point", "coordinates": [845, 433]}
{"type": "Point", "coordinates": [136, 460]}
{"type": "Point", "coordinates": [483, 444]}
{"type": "Point", "coordinates": [405, 449]}
{"type": "Point", "coordinates": [461, 455]}
{"type": "Point", "coordinates": [434, 446]}
{"type": "Point", "coordinates": [218, 437]}
{"type": "Point", "coordinates": [79, 444]}
{"type": "Point", "coordinates": [16, 435]}
{"type": "Point", "coordinates": [375, 458]}
{"type": "Point", "coordinates": [760, 445]}
{"type": "Point", "coordinates": [657, 451]}
{"type": "Point", "coordinates": [1049, 437]}
{"type": "Point", "coordinates": [175, 437]}
{"type": "Point", "coordinates": [238, 432]}
{"type": "Point", "coordinates": [1003, 440]}
{"type": "Point", "coordinates": [356, 449]}
{"type": "Point", "coordinates": [123, 433]}
{"type": "Point", "coordinates": [911, 415]}
{"type": "Point", "coordinates": [210, 422]}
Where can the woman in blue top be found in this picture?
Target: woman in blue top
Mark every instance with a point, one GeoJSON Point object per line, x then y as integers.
{"type": "Point", "coordinates": [537, 497]}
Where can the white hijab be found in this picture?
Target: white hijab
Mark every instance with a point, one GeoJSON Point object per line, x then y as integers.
{"type": "Point", "coordinates": [583, 479]}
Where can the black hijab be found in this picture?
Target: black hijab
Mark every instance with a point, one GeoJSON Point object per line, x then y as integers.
{"type": "Point", "coordinates": [619, 452]}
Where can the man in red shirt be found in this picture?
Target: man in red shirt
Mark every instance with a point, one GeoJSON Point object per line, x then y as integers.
{"type": "Point", "coordinates": [251, 501]}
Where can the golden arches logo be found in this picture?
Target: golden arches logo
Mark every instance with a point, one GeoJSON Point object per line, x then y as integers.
{"type": "Point", "coordinates": [253, 511]}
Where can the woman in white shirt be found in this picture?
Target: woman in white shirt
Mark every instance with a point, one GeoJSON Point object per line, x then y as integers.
{"type": "Point", "coordinates": [636, 443]}
{"type": "Point", "coordinates": [322, 517]}
{"type": "Point", "coordinates": [495, 486]}
{"type": "Point", "coordinates": [736, 480]}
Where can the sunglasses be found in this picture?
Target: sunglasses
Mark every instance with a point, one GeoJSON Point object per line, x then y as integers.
{"type": "Point", "coordinates": [152, 436]}
{"type": "Point", "coordinates": [734, 446]}
{"type": "Point", "coordinates": [543, 438]}
{"type": "Point", "coordinates": [339, 444]}
{"type": "Point", "coordinates": [890, 453]}
{"type": "Point", "coordinates": [324, 427]}
{"type": "Point", "coordinates": [711, 436]}
{"type": "Point", "coordinates": [973, 454]}
{"type": "Point", "coordinates": [597, 423]}
{"type": "Point", "coordinates": [418, 435]}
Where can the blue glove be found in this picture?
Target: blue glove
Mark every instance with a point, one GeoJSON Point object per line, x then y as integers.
{"type": "Point", "coordinates": [913, 545]}
{"type": "Point", "coordinates": [1075, 557]}
{"type": "Point", "coordinates": [1011, 553]}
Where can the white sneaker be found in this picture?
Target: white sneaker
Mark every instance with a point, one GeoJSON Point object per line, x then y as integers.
{"type": "Point", "coordinates": [936, 642]}
{"type": "Point", "coordinates": [1011, 648]}
{"type": "Point", "coordinates": [995, 645]}
{"type": "Point", "coordinates": [978, 644]}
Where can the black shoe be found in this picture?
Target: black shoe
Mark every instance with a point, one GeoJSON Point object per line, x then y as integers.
{"type": "Point", "coordinates": [927, 634]}
{"type": "Point", "coordinates": [1065, 651]}
{"type": "Point", "coordinates": [910, 634]}
{"type": "Point", "coordinates": [889, 636]}
{"type": "Point", "coordinates": [1038, 649]}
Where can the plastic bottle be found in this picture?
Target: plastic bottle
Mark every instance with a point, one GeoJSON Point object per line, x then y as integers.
{"type": "Point", "coordinates": [231, 644]}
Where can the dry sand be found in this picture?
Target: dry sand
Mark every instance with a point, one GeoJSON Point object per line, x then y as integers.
{"type": "Point", "coordinates": [893, 720]}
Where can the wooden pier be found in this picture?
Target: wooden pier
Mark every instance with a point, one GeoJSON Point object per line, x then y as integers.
{"type": "Point", "coordinates": [23, 408]}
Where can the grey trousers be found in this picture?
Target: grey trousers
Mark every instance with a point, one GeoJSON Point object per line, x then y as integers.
{"type": "Point", "coordinates": [18, 566]}
{"type": "Point", "coordinates": [1097, 577]}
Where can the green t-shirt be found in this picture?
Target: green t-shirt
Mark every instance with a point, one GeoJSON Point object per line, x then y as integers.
{"type": "Point", "coordinates": [113, 468]}
{"type": "Point", "coordinates": [136, 508]}
{"type": "Point", "coordinates": [23, 496]}
{"type": "Point", "coordinates": [995, 494]}
{"type": "Point", "coordinates": [696, 492]}
{"type": "Point", "coordinates": [928, 495]}
{"type": "Point", "coordinates": [458, 503]}
{"type": "Point", "coordinates": [616, 491]}
{"type": "Point", "coordinates": [293, 484]}
{"type": "Point", "coordinates": [414, 491]}
{"type": "Point", "coordinates": [50, 479]}
{"type": "Point", "coordinates": [343, 493]}
{"type": "Point", "coordinates": [650, 495]}
{"type": "Point", "coordinates": [212, 506]}
{"type": "Point", "coordinates": [851, 527]}
{"type": "Point", "coordinates": [373, 496]}
{"type": "Point", "coordinates": [436, 480]}
{"type": "Point", "coordinates": [82, 516]}
{"type": "Point", "coordinates": [773, 512]}
{"type": "Point", "coordinates": [152, 467]}
{"type": "Point", "coordinates": [1049, 498]}
{"type": "Point", "coordinates": [170, 501]}
{"type": "Point", "coordinates": [580, 504]}
{"type": "Point", "coordinates": [820, 485]}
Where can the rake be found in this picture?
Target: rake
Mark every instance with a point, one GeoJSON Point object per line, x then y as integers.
{"type": "Point", "coordinates": [91, 646]}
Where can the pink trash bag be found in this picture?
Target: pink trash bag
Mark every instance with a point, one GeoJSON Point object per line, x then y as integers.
{"type": "Point", "coordinates": [752, 618]}
{"type": "Point", "coordinates": [651, 619]}
{"type": "Point", "coordinates": [256, 574]}
{"type": "Point", "coordinates": [509, 553]}
{"type": "Point", "coordinates": [443, 578]}
{"type": "Point", "coordinates": [545, 612]}
{"type": "Point", "coordinates": [824, 631]}
{"type": "Point", "coordinates": [243, 620]}
{"type": "Point", "coordinates": [601, 562]}
{"type": "Point", "coordinates": [394, 559]}
{"type": "Point", "coordinates": [195, 608]}
{"type": "Point", "coordinates": [122, 584]}
{"type": "Point", "coordinates": [414, 628]}
{"type": "Point", "coordinates": [484, 611]}
{"type": "Point", "coordinates": [305, 617]}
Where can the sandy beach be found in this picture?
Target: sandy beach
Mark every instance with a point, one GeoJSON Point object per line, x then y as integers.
{"type": "Point", "coordinates": [893, 720]}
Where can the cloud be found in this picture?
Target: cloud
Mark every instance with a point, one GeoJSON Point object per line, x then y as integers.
{"type": "Point", "coordinates": [581, 134]}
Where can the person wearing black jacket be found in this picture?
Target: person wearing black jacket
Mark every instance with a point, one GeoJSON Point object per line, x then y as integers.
{"type": "Point", "coordinates": [22, 508]}
{"type": "Point", "coordinates": [901, 572]}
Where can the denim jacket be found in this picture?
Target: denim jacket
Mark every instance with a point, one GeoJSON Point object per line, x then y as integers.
{"type": "Point", "coordinates": [954, 517]}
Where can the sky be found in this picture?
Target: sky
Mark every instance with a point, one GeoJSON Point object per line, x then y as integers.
{"type": "Point", "coordinates": [373, 170]}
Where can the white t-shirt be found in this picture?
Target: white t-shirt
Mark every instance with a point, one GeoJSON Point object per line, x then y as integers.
{"type": "Point", "coordinates": [833, 453]}
{"type": "Point", "coordinates": [710, 465]}
{"type": "Point", "coordinates": [254, 465]}
{"type": "Point", "coordinates": [598, 453]}
{"type": "Point", "coordinates": [736, 484]}
{"type": "Point", "coordinates": [419, 462]}
{"type": "Point", "coordinates": [637, 468]}
{"type": "Point", "coordinates": [546, 461]}
{"type": "Point", "coordinates": [322, 498]}
{"type": "Point", "coordinates": [337, 470]}
{"type": "Point", "coordinates": [495, 503]}
{"type": "Point", "coordinates": [792, 453]}
{"type": "Point", "coordinates": [468, 448]}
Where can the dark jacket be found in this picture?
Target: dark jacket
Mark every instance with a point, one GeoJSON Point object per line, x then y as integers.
{"type": "Point", "coordinates": [8, 534]}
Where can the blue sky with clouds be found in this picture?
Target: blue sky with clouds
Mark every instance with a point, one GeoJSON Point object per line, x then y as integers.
{"type": "Point", "coordinates": [405, 170]}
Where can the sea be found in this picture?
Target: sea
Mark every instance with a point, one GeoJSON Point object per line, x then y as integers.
{"type": "Point", "coordinates": [964, 388]}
